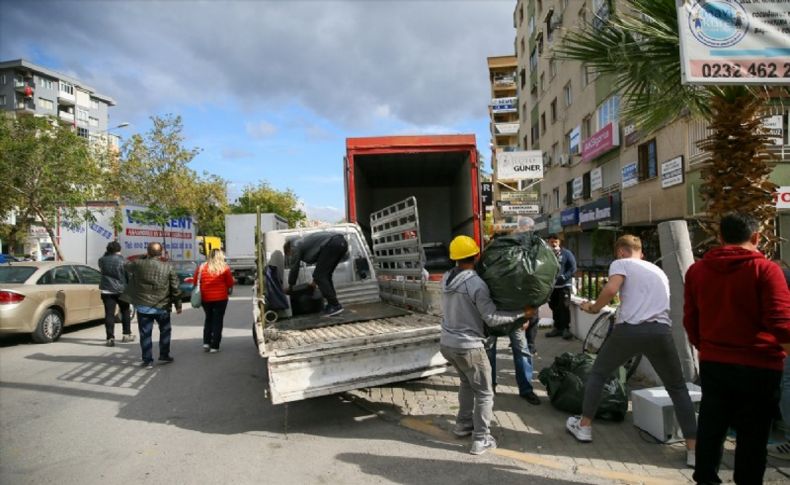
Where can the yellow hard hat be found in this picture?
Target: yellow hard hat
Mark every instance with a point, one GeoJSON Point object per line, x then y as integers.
{"type": "Point", "coordinates": [463, 247]}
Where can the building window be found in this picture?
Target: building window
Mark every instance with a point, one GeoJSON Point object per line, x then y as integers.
{"type": "Point", "coordinates": [540, 43]}
{"type": "Point", "coordinates": [520, 14]}
{"type": "Point", "coordinates": [583, 15]}
{"type": "Point", "coordinates": [586, 127]}
{"type": "Point", "coordinates": [2, 79]}
{"type": "Point", "coordinates": [552, 68]}
{"type": "Point", "coordinates": [543, 122]}
{"type": "Point", "coordinates": [46, 104]}
{"type": "Point", "coordinates": [648, 160]}
{"type": "Point", "coordinates": [66, 88]}
{"type": "Point", "coordinates": [555, 193]}
{"type": "Point", "coordinates": [531, 26]}
{"type": "Point", "coordinates": [94, 104]}
{"type": "Point", "coordinates": [535, 134]}
{"type": "Point", "coordinates": [44, 83]}
{"type": "Point", "coordinates": [2, 99]}
{"type": "Point", "coordinates": [93, 121]}
{"type": "Point", "coordinates": [608, 111]}
{"type": "Point", "coordinates": [523, 49]}
{"type": "Point", "coordinates": [554, 110]}
{"type": "Point", "coordinates": [585, 76]}
{"type": "Point", "coordinates": [586, 185]}
{"type": "Point", "coordinates": [540, 6]}
{"type": "Point", "coordinates": [533, 60]}
{"type": "Point", "coordinates": [542, 82]}
{"type": "Point", "coordinates": [555, 154]}
{"type": "Point", "coordinates": [83, 132]}
{"type": "Point", "coordinates": [568, 93]}
{"type": "Point", "coordinates": [82, 114]}
{"type": "Point", "coordinates": [524, 110]}
{"type": "Point", "coordinates": [526, 142]}
{"type": "Point", "coordinates": [569, 192]}
{"type": "Point", "coordinates": [546, 207]}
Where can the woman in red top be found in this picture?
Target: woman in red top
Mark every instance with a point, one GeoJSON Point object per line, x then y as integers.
{"type": "Point", "coordinates": [216, 283]}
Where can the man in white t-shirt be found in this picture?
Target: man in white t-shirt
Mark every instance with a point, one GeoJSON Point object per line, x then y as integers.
{"type": "Point", "coordinates": [642, 326]}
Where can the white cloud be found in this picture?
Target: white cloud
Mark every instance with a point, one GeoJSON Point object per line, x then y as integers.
{"type": "Point", "coordinates": [235, 153]}
{"type": "Point", "coordinates": [261, 130]}
{"type": "Point", "coordinates": [325, 214]}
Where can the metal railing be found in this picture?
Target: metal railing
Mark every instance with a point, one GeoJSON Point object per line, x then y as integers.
{"type": "Point", "coordinates": [588, 281]}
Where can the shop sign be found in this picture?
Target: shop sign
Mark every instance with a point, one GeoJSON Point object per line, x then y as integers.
{"type": "Point", "coordinates": [575, 139]}
{"type": "Point", "coordinates": [773, 125]}
{"type": "Point", "coordinates": [604, 210]}
{"type": "Point", "coordinates": [783, 197]}
{"type": "Point", "coordinates": [601, 142]}
{"type": "Point", "coordinates": [631, 134]}
{"type": "Point", "coordinates": [522, 209]}
{"type": "Point", "coordinates": [672, 172]}
{"type": "Point", "coordinates": [578, 187]}
{"type": "Point", "coordinates": [630, 175]}
{"type": "Point", "coordinates": [596, 179]}
{"type": "Point", "coordinates": [570, 217]}
{"type": "Point", "coordinates": [523, 165]}
{"type": "Point", "coordinates": [555, 223]}
{"type": "Point", "coordinates": [504, 105]}
{"type": "Point", "coordinates": [519, 196]}
{"type": "Point", "coordinates": [487, 193]}
{"type": "Point", "coordinates": [733, 41]}
{"type": "Point", "coordinates": [506, 128]}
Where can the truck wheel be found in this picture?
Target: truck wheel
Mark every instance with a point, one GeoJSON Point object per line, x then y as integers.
{"type": "Point", "coordinates": [49, 327]}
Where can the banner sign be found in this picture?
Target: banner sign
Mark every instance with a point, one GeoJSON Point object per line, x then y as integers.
{"type": "Point", "coordinates": [504, 105]}
{"type": "Point", "coordinates": [773, 124]}
{"type": "Point", "coordinates": [521, 196]}
{"type": "Point", "coordinates": [575, 139]}
{"type": "Point", "coordinates": [734, 41]}
{"type": "Point", "coordinates": [506, 128]}
{"type": "Point", "coordinates": [519, 165]}
{"type": "Point", "coordinates": [596, 179]}
{"type": "Point", "coordinates": [530, 209]}
{"type": "Point", "coordinates": [783, 198]}
{"type": "Point", "coordinates": [487, 193]}
{"type": "Point", "coordinates": [601, 142]}
{"type": "Point", "coordinates": [578, 187]}
{"type": "Point", "coordinates": [672, 172]}
{"type": "Point", "coordinates": [605, 210]}
{"type": "Point", "coordinates": [570, 217]}
{"type": "Point", "coordinates": [630, 175]}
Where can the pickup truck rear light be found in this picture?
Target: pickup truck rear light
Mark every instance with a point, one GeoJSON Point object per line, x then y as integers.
{"type": "Point", "coordinates": [9, 297]}
{"type": "Point", "coordinates": [189, 279]}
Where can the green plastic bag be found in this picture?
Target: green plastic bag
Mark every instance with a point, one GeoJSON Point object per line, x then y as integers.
{"type": "Point", "coordinates": [520, 270]}
{"type": "Point", "coordinates": [564, 381]}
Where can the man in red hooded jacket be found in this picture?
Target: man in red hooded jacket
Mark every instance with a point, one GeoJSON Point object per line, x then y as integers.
{"type": "Point", "coordinates": [737, 314]}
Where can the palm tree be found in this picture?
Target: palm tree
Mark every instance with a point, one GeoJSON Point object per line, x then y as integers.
{"type": "Point", "coordinates": [638, 48]}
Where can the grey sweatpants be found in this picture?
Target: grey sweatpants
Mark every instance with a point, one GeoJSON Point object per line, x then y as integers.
{"type": "Point", "coordinates": [654, 341]}
{"type": "Point", "coordinates": [476, 394]}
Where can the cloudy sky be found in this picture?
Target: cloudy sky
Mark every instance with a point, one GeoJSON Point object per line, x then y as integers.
{"type": "Point", "coordinates": [270, 89]}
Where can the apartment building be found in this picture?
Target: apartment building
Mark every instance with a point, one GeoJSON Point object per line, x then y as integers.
{"type": "Point", "coordinates": [602, 176]}
{"type": "Point", "coordinates": [504, 115]}
{"type": "Point", "coordinates": [28, 88]}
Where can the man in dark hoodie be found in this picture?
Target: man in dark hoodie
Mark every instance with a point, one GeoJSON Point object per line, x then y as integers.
{"type": "Point", "coordinates": [467, 308]}
{"type": "Point", "coordinates": [325, 250]}
{"type": "Point", "coordinates": [112, 285]}
{"type": "Point", "coordinates": [737, 314]}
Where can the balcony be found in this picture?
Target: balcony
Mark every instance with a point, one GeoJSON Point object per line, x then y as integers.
{"type": "Point", "coordinates": [66, 98]}
{"type": "Point", "coordinates": [66, 116]}
{"type": "Point", "coordinates": [25, 106]}
{"type": "Point", "coordinates": [20, 85]}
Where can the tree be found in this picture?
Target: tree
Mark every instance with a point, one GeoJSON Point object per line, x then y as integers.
{"type": "Point", "coordinates": [154, 172]}
{"type": "Point", "coordinates": [48, 171]}
{"type": "Point", "coordinates": [638, 49]}
{"type": "Point", "coordinates": [285, 203]}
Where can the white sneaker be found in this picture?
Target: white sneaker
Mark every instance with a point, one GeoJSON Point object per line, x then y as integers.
{"type": "Point", "coordinates": [481, 446]}
{"type": "Point", "coordinates": [206, 347]}
{"type": "Point", "coordinates": [691, 458]}
{"type": "Point", "coordinates": [780, 450]}
{"type": "Point", "coordinates": [581, 433]}
{"type": "Point", "coordinates": [213, 351]}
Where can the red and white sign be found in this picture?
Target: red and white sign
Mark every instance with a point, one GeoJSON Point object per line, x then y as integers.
{"type": "Point", "coordinates": [601, 142]}
{"type": "Point", "coordinates": [783, 197]}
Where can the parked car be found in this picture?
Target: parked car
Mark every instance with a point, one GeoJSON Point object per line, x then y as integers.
{"type": "Point", "coordinates": [8, 258]}
{"type": "Point", "coordinates": [185, 271]}
{"type": "Point", "coordinates": [41, 298]}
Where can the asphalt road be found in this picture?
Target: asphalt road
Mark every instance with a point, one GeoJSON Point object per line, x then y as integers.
{"type": "Point", "coordinates": [78, 412]}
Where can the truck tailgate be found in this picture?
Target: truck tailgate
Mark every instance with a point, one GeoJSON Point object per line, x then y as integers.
{"type": "Point", "coordinates": [328, 360]}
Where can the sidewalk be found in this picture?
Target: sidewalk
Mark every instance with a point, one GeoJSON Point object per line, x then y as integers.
{"type": "Point", "coordinates": [536, 434]}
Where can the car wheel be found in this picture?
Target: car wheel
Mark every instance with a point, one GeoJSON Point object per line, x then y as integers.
{"type": "Point", "coordinates": [49, 327]}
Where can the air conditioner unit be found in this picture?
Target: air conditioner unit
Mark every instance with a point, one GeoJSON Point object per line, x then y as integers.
{"type": "Point", "coordinates": [564, 160]}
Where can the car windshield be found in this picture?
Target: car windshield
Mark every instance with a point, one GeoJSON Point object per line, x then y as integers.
{"type": "Point", "coordinates": [184, 266]}
{"type": "Point", "coordinates": [16, 274]}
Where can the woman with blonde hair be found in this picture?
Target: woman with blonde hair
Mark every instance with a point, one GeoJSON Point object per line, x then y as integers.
{"type": "Point", "coordinates": [216, 282]}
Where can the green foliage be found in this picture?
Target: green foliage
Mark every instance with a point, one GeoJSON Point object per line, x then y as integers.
{"type": "Point", "coordinates": [284, 203]}
{"type": "Point", "coordinates": [45, 166]}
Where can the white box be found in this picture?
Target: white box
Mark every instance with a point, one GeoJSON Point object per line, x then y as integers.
{"type": "Point", "coordinates": [653, 411]}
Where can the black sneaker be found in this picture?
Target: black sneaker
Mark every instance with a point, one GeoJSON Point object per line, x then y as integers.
{"type": "Point", "coordinates": [566, 334]}
{"type": "Point", "coordinates": [532, 398]}
{"type": "Point", "coordinates": [333, 310]}
{"type": "Point", "coordinates": [147, 364]}
{"type": "Point", "coordinates": [554, 333]}
{"type": "Point", "coordinates": [110, 342]}
{"type": "Point", "coordinates": [166, 359]}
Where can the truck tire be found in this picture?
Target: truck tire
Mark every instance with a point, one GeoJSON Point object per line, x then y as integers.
{"type": "Point", "coordinates": [49, 327]}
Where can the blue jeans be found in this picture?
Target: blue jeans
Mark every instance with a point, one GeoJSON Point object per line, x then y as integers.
{"type": "Point", "coordinates": [145, 322]}
{"type": "Point", "coordinates": [784, 403]}
{"type": "Point", "coordinates": [522, 360]}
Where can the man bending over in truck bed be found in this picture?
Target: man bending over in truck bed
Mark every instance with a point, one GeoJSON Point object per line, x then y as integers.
{"type": "Point", "coordinates": [325, 250]}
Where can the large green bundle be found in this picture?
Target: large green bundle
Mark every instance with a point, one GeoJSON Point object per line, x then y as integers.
{"type": "Point", "coordinates": [520, 270]}
{"type": "Point", "coordinates": [564, 382]}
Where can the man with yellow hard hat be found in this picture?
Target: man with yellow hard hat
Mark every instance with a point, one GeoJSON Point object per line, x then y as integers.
{"type": "Point", "coordinates": [467, 308]}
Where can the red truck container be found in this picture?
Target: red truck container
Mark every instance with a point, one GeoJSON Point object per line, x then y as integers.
{"type": "Point", "coordinates": [440, 171]}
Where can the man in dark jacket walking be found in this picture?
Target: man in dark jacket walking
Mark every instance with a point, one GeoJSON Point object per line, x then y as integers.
{"type": "Point", "coordinates": [112, 285]}
{"type": "Point", "coordinates": [325, 250]}
{"type": "Point", "coordinates": [737, 314]}
{"type": "Point", "coordinates": [153, 289]}
{"type": "Point", "coordinates": [560, 300]}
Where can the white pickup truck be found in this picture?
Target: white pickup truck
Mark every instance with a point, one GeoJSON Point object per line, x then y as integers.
{"type": "Point", "coordinates": [389, 331]}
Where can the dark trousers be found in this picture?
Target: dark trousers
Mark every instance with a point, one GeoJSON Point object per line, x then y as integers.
{"type": "Point", "coordinates": [560, 304]}
{"type": "Point", "coordinates": [145, 322]}
{"type": "Point", "coordinates": [328, 259]}
{"type": "Point", "coordinates": [745, 399]}
{"type": "Point", "coordinates": [532, 334]}
{"type": "Point", "coordinates": [212, 328]}
{"type": "Point", "coordinates": [522, 360]}
{"type": "Point", "coordinates": [110, 301]}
